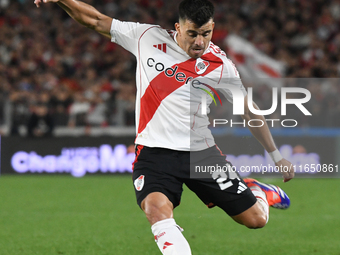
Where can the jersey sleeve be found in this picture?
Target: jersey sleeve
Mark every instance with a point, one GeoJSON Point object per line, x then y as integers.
{"type": "Point", "coordinates": [127, 34]}
{"type": "Point", "coordinates": [231, 83]}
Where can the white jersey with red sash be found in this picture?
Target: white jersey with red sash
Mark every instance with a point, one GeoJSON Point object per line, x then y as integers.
{"type": "Point", "coordinates": [168, 108]}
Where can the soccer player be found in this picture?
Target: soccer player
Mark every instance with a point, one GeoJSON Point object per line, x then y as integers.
{"type": "Point", "coordinates": [172, 134]}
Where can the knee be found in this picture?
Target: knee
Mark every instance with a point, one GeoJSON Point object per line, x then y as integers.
{"type": "Point", "coordinates": [254, 217]}
{"type": "Point", "coordinates": [154, 212]}
{"type": "Point", "coordinates": [258, 221]}
{"type": "Point", "coordinates": [157, 207]}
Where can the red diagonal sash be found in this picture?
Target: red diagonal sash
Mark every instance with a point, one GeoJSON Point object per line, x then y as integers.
{"type": "Point", "coordinates": [162, 86]}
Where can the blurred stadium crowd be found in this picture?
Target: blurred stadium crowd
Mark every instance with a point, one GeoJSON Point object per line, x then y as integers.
{"type": "Point", "coordinates": [54, 69]}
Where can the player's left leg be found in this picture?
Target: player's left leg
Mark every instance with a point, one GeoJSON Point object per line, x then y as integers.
{"type": "Point", "coordinates": [275, 196]}
{"type": "Point", "coordinates": [246, 202]}
{"type": "Point", "coordinates": [255, 217]}
{"type": "Point", "coordinates": [226, 189]}
{"type": "Point", "coordinates": [266, 195]}
{"type": "Point", "coordinates": [237, 200]}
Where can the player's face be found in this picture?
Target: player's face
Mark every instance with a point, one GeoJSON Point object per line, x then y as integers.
{"type": "Point", "coordinates": [192, 39]}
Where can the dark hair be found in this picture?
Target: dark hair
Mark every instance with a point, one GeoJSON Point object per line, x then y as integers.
{"type": "Point", "coordinates": [197, 11]}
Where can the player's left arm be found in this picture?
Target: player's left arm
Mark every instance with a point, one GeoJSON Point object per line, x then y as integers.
{"type": "Point", "coordinates": [263, 135]}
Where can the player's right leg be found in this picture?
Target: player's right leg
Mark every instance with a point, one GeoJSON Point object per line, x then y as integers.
{"type": "Point", "coordinates": [157, 207]}
{"type": "Point", "coordinates": [158, 193]}
{"type": "Point", "coordinates": [168, 235]}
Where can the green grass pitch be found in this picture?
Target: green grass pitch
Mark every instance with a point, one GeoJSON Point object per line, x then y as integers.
{"type": "Point", "coordinates": [97, 215]}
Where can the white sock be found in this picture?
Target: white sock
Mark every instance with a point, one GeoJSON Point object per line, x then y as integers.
{"type": "Point", "coordinates": [261, 198]}
{"type": "Point", "coordinates": [169, 238]}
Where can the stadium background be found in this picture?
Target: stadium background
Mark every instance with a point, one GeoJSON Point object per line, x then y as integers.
{"type": "Point", "coordinates": [83, 86]}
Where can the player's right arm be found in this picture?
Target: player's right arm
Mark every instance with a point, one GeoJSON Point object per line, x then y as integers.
{"type": "Point", "coordinates": [84, 14]}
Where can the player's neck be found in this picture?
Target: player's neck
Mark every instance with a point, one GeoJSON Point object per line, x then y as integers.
{"type": "Point", "coordinates": [175, 39]}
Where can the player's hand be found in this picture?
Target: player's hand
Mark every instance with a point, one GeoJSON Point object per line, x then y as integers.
{"type": "Point", "coordinates": [38, 2]}
{"type": "Point", "coordinates": [287, 169]}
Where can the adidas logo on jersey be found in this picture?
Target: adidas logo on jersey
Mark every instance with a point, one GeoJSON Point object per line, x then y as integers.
{"type": "Point", "coordinates": [161, 46]}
